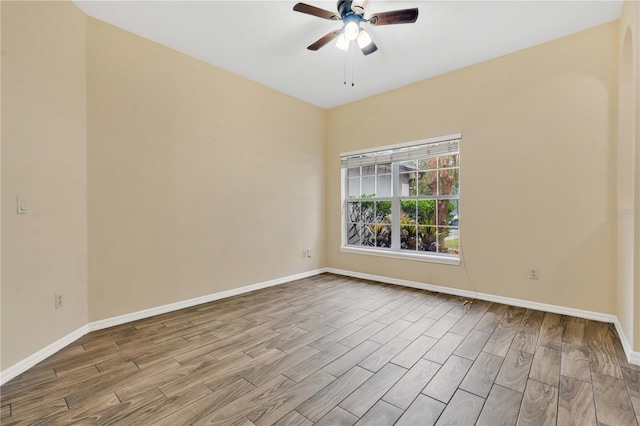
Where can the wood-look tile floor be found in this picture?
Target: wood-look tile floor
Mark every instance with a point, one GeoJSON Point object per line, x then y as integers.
{"type": "Point", "coordinates": [330, 350]}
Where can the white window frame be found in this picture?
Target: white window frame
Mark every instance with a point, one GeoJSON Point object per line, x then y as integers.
{"type": "Point", "coordinates": [443, 258]}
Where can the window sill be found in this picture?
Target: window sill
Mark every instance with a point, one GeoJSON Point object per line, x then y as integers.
{"type": "Point", "coordinates": [445, 260]}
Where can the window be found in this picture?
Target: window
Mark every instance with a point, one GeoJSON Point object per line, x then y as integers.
{"type": "Point", "coordinates": [403, 200]}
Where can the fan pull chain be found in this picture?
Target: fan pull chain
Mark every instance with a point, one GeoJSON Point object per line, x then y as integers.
{"type": "Point", "coordinates": [353, 51]}
{"type": "Point", "coordinates": [352, 66]}
{"type": "Point", "coordinates": [345, 69]}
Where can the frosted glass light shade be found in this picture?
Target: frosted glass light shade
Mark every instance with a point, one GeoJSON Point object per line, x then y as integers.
{"type": "Point", "coordinates": [364, 39]}
{"type": "Point", "coordinates": [351, 30]}
{"type": "Point", "coordinates": [342, 42]}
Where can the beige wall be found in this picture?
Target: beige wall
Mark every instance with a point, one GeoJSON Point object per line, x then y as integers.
{"type": "Point", "coordinates": [44, 159]}
{"type": "Point", "coordinates": [199, 180]}
{"type": "Point", "coordinates": [536, 169]}
{"type": "Point", "coordinates": [628, 176]}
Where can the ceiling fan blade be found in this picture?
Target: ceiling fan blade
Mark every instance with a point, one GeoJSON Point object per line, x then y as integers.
{"type": "Point", "coordinates": [369, 49]}
{"type": "Point", "coordinates": [316, 11]}
{"type": "Point", "coordinates": [324, 40]}
{"type": "Point", "coordinates": [404, 16]}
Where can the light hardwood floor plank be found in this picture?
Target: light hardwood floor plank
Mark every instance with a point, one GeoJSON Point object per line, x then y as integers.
{"type": "Point", "coordinates": [282, 404]}
{"type": "Point", "coordinates": [293, 419]}
{"type": "Point", "coordinates": [443, 348]}
{"type": "Point", "coordinates": [384, 354]}
{"type": "Point", "coordinates": [575, 362]}
{"type": "Point", "coordinates": [338, 417]}
{"type": "Point", "coordinates": [526, 337]}
{"type": "Point", "coordinates": [482, 374]}
{"type": "Point", "coordinates": [414, 351]}
{"type": "Point", "coordinates": [316, 362]}
{"type": "Point", "coordinates": [515, 370]}
{"type": "Point", "coordinates": [237, 409]}
{"type": "Point", "coordinates": [472, 344]}
{"type": "Point", "coordinates": [501, 408]}
{"type": "Point", "coordinates": [382, 413]}
{"type": "Point", "coordinates": [632, 380]}
{"type": "Point", "coordinates": [463, 409]}
{"type": "Point", "coordinates": [576, 405]}
{"type": "Point", "coordinates": [446, 381]}
{"type": "Point", "coordinates": [411, 384]}
{"type": "Point", "coordinates": [603, 355]}
{"type": "Point", "coordinates": [366, 395]}
{"type": "Point", "coordinates": [423, 411]}
{"type": "Point", "coordinates": [613, 405]}
{"type": "Point", "coordinates": [539, 405]}
{"type": "Point", "coordinates": [551, 331]}
{"type": "Point", "coordinates": [324, 401]}
{"type": "Point", "coordinates": [354, 356]}
{"type": "Point", "coordinates": [545, 367]}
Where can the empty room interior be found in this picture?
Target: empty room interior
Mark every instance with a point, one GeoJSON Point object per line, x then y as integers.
{"type": "Point", "coordinates": [430, 215]}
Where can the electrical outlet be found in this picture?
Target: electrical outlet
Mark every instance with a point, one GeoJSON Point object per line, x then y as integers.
{"type": "Point", "coordinates": [533, 273]}
{"type": "Point", "coordinates": [58, 301]}
{"type": "Point", "coordinates": [304, 253]}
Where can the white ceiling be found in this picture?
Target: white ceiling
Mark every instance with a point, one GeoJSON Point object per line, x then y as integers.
{"type": "Point", "coordinates": [266, 41]}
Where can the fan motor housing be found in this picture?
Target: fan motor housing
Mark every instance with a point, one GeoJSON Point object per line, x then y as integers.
{"type": "Point", "coordinates": [344, 8]}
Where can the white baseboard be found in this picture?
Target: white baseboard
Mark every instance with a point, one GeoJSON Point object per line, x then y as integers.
{"type": "Point", "coordinates": [632, 357]}
{"type": "Point", "coordinates": [22, 366]}
{"type": "Point", "coordinates": [146, 313]}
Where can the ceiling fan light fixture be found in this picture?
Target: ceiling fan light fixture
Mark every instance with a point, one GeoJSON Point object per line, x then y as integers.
{"type": "Point", "coordinates": [342, 42]}
{"type": "Point", "coordinates": [351, 30]}
{"type": "Point", "coordinates": [364, 39]}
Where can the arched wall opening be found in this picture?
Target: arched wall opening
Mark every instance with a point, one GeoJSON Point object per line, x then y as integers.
{"type": "Point", "coordinates": [627, 264]}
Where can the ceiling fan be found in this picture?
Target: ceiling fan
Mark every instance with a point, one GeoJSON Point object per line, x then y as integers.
{"type": "Point", "coordinates": [351, 13]}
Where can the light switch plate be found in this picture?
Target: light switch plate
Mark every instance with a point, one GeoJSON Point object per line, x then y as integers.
{"type": "Point", "coordinates": [22, 204]}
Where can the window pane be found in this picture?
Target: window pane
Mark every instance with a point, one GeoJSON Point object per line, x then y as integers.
{"type": "Point", "coordinates": [448, 182]}
{"type": "Point", "coordinates": [368, 186]}
{"type": "Point", "coordinates": [445, 237]}
{"type": "Point", "coordinates": [451, 241]}
{"type": "Point", "coordinates": [368, 170]}
{"type": "Point", "coordinates": [384, 186]}
{"type": "Point", "coordinates": [452, 216]}
{"type": "Point", "coordinates": [427, 164]}
{"type": "Point", "coordinates": [407, 237]}
{"type": "Point", "coordinates": [448, 161]}
{"type": "Point", "coordinates": [368, 237]}
{"type": "Point", "coordinates": [427, 183]}
{"type": "Point", "coordinates": [383, 211]}
{"type": "Point", "coordinates": [353, 172]}
{"type": "Point", "coordinates": [426, 212]}
{"type": "Point", "coordinates": [353, 211]}
{"type": "Point", "coordinates": [408, 184]}
{"type": "Point", "coordinates": [354, 232]}
{"type": "Point", "coordinates": [444, 213]}
{"type": "Point", "coordinates": [384, 168]}
{"type": "Point", "coordinates": [367, 211]}
{"type": "Point", "coordinates": [383, 235]}
{"type": "Point", "coordinates": [427, 238]}
{"type": "Point", "coordinates": [408, 214]}
{"type": "Point", "coordinates": [408, 166]}
{"type": "Point", "coordinates": [354, 187]}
